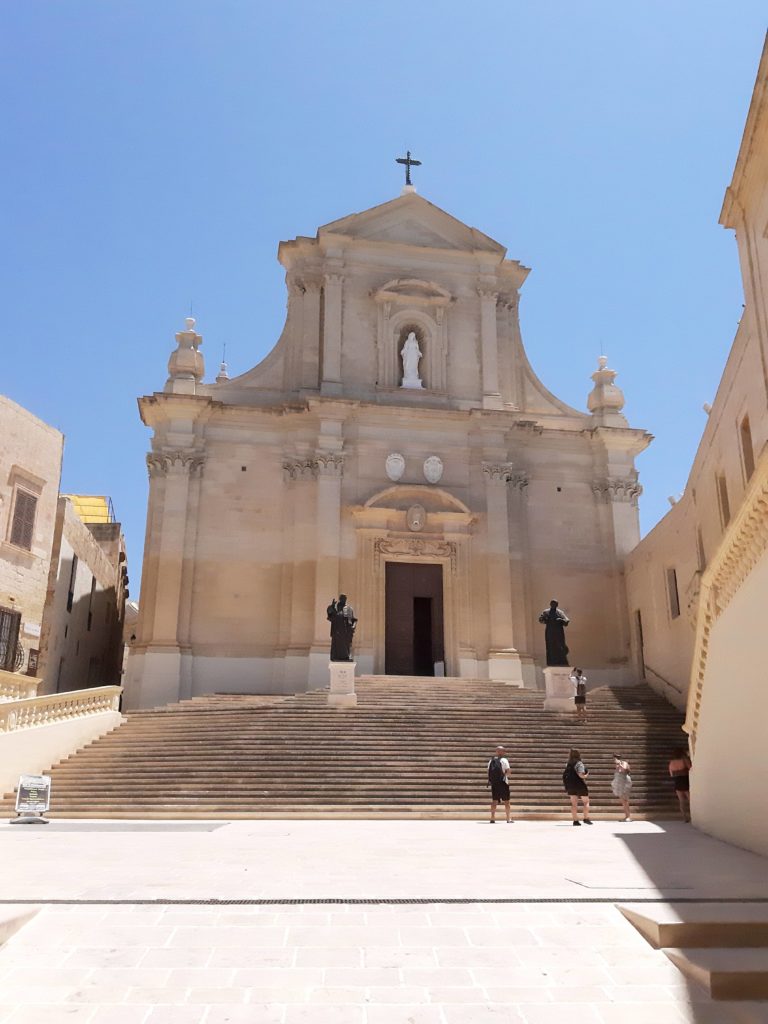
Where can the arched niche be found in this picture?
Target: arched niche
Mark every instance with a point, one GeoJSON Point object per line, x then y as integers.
{"type": "Point", "coordinates": [406, 305]}
{"type": "Point", "coordinates": [430, 336]}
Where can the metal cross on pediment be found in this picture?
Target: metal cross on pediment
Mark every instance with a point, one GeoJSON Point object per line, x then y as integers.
{"type": "Point", "coordinates": [409, 163]}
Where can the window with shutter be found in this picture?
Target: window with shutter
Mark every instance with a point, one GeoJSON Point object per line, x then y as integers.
{"type": "Point", "coordinates": [23, 523]}
{"type": "Point", "coordinates": [10, 621]}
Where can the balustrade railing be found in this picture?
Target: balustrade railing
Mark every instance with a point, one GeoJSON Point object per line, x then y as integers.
{"type": "Point", "coordinates": [58, 707]}
{"type": "Point", "coordinates": [15, 687]}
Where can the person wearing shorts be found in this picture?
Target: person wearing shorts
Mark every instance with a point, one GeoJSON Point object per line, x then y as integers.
{"type": "Point", "coordinates": [575, 785]}
{"type": "Point", "coordinates": [498, 780]}
{"type": "Point", "coordinates": [579, 681]}
{"type": "Point", "coordinates": [679, 767]}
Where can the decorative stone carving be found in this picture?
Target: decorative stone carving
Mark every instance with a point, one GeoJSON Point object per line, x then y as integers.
{"type": "Point", "coordinates": [411, 354]}
{"type": "Point", "coordinates": [505, 473]}
{"type": "Point", "coordinates": [618, 489]}
{"type": "Point", "coordinates": [414, 547]}
{"type": "Point", "coordinates": [186, 366]}
{"type": "Point", "coordinates": [327, 464]}
{"type": "Point", "coordinates": [433, 469]}
{"type": "Point", "coordinates": [395, 466]}
{"type": "Point", "coordinates": [605, 400]}
{"type": "Point", "coordinates": [416, 517]}
{"type": "Point", "coordinates": [175, 462]}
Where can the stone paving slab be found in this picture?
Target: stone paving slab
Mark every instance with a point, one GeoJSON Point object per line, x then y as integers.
{"type": "Point", "coordinates": [367, 859]}
{"type": "Point", "coordinates": [72, 964]}
{"type": "Point", "coordinates": [425, 962]}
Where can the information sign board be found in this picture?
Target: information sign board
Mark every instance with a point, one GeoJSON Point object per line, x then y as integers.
{"type": "Point", "coordinates": [34, 794]}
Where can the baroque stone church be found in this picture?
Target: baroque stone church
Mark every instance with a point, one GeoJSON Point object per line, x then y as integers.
{"type": "Point", "coordinates": [396, 446]}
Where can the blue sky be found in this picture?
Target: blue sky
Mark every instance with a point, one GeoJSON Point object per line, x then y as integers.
{"type": "Point", "coordinates": [154, 154]}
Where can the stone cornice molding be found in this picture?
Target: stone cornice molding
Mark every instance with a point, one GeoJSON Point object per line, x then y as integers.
{"type": "Point", "coordinates": [414, 547]}
{"type": "Point", "coordinates": [743, 545]}
{"type": "Point", "coordinates": [505, 473]}
{"type": "Point", "coordinates": [618, 489]}
{"type": "Point", "coordinates": [181, 462]}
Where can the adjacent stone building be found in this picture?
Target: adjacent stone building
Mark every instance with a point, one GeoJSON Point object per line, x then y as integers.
{"type": "Point", "coordinates": [397, 446]}
{"type": "Point", "coordinates": [697, 584]}
{"type": "Point", "coordinates": [30, 470]}
{"type": "Point", "coordinates": [81, 643]}
{"type": "Point", "coordinates": [63, 574]}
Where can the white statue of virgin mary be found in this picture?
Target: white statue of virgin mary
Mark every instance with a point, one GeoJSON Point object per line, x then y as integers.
{"type": "Point", "coordinates": [411, 354]}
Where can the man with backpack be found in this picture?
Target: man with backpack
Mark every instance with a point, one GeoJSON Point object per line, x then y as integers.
{"type": "Point", "coordinates": [498, 772]}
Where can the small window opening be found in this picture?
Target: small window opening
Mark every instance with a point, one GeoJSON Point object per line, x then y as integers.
{"type": "Point", "coordinates": [722, 499]}
{"type": "Point", "coordinates": [747, 448]}
{"type": "Point", "coordinates": [674, 597]}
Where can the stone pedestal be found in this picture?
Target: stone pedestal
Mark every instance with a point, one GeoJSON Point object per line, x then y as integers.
{"type": "Point", "coordinates": [559, 688]}
{"type": "Point", "coordinates": [505, 667]}
{"type": "Point", "coordinates": [342, 693]}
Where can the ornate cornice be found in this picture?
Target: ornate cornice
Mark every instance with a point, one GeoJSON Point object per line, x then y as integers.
{"type": "Point", "coordinates": [414, 547]}
{"type": "Point", "coordinates": [179, 462]}
{"type": "Point", "coordinates": [618, 489]}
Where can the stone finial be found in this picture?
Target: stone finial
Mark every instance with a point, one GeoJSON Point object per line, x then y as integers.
{"type": "Point", "coordinates": [605, 400]}
{"type": "Point", "coordinates": [222, 376]}
{"type": "Point", "coordinates": [186, 365]}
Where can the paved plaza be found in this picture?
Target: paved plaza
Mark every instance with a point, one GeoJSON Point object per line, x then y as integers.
{"type": "Point", "coordinates": [123, 934]}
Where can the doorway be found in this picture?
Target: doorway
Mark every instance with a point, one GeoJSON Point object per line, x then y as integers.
{"type": "Point", "coordinates": [414, 643]}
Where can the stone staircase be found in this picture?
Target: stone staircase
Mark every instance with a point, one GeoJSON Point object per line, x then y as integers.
{"type": "Point", "coordinates": [413, 747]}
{"type": "Point", "coordinates": [722, 947]}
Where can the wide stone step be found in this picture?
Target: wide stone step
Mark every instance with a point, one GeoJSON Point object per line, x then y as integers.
{"type": "Point", "coordinates": [700, 924]}
{"type": "Point", "coordinates": [725, 973]}
{"type": "Point", "coordinates": [411, 748]}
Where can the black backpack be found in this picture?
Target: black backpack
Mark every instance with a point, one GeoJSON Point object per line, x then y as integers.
{"type": "Point", "coordinates": [570, 775]}
{"type": "Point", "coordinates": [495, 771]}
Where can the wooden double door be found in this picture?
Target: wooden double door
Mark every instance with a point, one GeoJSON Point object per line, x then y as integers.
{"type": "Point", "coordinates": [414, 632]}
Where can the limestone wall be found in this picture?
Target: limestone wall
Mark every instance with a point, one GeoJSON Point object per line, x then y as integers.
{"type": "Point", "coordinates": [30, 460]}
{"type": "Point", "coordinates": [728, 781]}
{"type": "Point", "coordinates": [82, 633]}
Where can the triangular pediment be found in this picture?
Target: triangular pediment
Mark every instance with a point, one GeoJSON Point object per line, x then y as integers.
{"type": "Point", "coordinates": [412, 220]}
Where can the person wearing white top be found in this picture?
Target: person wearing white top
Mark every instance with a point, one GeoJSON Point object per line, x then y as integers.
{"type": "Point", "coordinates": [579, 681]}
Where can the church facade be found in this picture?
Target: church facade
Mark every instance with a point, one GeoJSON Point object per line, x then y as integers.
{"type": "Point", "coordinates": [395, 446]}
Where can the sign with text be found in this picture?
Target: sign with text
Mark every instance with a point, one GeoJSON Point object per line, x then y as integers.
{"type": "Point", "coordinates": [34, 794]}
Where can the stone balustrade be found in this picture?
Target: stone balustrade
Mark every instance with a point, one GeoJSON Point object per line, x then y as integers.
{"type": "Point", "coordinates": [16, 687]}
{"type": "Point", "coordinates": [58, 707]}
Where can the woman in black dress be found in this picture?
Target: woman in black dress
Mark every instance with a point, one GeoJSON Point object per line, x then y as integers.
{"type": "Point", "coordinates": [574, 781]}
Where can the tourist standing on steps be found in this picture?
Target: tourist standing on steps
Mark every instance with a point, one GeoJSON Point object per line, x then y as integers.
{"type": "Point", "coordinates": [621, 784]}
{"type": "Point", "coordinates": [679, 767]}
{"type": "Point", "coordinates": [574, 781]}
{"type": "Point", "coordinates": [579, 681]}
{"type": "Point", "coordinates": [498, 776]}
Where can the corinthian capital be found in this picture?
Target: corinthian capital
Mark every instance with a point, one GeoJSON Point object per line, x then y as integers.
{"type": "Point", "coordinates": [330, 464]}
{"type": "Point", "coordinates": [625, 489]}
{"type": "Point", "coordinates": [178, 462]}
